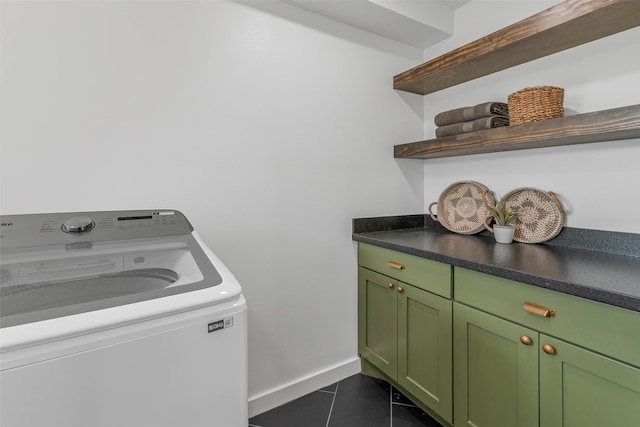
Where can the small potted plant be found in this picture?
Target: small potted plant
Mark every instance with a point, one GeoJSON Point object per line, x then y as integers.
{"type": "Point", "coordinates": [503, 229]}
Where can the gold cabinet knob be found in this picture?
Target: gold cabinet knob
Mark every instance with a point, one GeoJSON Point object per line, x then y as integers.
{"type": "Point", "coordinates": [549, 349]}
{"type": "Point", "coordinates": [390, 285]}
{"type": "Point", "coordinates": [526, 340]}
{"type": "Point", "coordinates": [400, 289]}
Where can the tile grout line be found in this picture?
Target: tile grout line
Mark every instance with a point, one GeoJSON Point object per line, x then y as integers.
{"type": "Point", "coordinates": [390, 405]}
{"type": "Point", "coordinates": [409, 405]}
{"type": "Point", "coordinates": [335, 393]}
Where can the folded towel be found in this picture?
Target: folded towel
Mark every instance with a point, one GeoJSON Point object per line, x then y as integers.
{"type": "Point", "coordinates": [472, 126]}
{"type": "Point", "coordinates": [467, 114]}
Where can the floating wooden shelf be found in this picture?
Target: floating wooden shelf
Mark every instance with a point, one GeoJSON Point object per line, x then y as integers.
{"type": "Point", "coordinates": [566, 25]}
{"type": "Point", "coordinates": [608, 125]}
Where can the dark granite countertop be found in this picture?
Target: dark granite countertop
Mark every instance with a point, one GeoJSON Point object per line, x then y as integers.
{"type": "Point", "coordinates": [601, 266]}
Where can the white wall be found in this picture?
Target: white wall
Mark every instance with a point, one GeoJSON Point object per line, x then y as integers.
{"type": "Point", "coordinates": [597, 183]}
{"type": "Point", "coordinates": [271, 128]}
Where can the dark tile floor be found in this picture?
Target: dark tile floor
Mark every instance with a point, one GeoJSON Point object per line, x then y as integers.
{"type": "Point", "coordinates": [357, 401]}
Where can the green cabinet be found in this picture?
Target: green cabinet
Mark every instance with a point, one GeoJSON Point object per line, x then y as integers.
{"type": "Point", "coordinates": [509, 370]}
{"type": "Point", "coordinates": [378, 321]}
{"type": "Point", "coordinates": [477, 350]}
{"type": "Point", "coordinates": [405, 331]}
{"type": "Point", "coordinates": [580, 388]}
{"type": "Point", "coordinates": [424, 348]}
{"type": "Point", "coordinates": [496, 376]}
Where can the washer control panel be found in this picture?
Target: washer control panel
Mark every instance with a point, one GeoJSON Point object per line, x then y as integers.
{"type": "Point", "coordinates": [82, 228]}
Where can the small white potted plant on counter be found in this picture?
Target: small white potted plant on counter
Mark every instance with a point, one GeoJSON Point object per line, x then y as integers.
{"type": "Point", "coordinates": [503, 230]}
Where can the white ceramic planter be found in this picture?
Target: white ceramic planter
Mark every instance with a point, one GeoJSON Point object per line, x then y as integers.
{"type": "Point", "coordinates": [503, 233]}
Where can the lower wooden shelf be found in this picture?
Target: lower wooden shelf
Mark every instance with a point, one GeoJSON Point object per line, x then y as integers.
{"type": "Point", "coordinates": [607, 125]}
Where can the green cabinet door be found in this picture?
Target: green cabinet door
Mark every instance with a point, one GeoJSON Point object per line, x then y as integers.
{"type": "Point", "coordinates": [579, 388]}
{"type": "Point", "coordinates": [378, 320]}
{"type": "Point", "coordinates": [495, 374]}
{"type": "Point", "coordinates": [425, 348]}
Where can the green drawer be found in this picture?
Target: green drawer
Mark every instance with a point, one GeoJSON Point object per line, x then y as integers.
{"type": "Point", "coordinates": [604, 328]}
{"type": "Point", "coordinates": [423, 273]}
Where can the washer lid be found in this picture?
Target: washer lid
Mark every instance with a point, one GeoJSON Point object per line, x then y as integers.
{"type": "Point", "coordinates": [68, 273]}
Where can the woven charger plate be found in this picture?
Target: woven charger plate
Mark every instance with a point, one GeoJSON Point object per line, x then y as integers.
{"type": "Point", "coordinates": [541, 214]}
{"type": "Point", "coordinates": [460, 207]}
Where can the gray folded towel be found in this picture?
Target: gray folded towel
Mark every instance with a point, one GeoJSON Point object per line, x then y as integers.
{"type": "Point", "coordinates": [466, 114]}
{"type": "Point", "coordinates": [472, 126]}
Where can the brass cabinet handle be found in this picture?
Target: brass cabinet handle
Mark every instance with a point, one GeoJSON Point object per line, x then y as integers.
{"type": "Point", "coordinates": [390, 285]}
{"type": "Point", "coordinates": [549, 349]}
{"type": "Point", "coordinates": [526, 340]}
{"type": "Point", "coordinates": [538, 310]}
{"type": "Point", "coordinates": [400, 289]}
{"type": "Point", "coordinates": [395, 265]}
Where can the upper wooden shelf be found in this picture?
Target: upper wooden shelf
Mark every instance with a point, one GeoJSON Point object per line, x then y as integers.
{"type": "Point", "coordinates": [566, 25]}
{"type": "Point", "coordinates": [608, 125]}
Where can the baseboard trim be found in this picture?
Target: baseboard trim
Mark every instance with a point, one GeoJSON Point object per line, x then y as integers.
{"type": "Point", "coordinates": [277, 396]}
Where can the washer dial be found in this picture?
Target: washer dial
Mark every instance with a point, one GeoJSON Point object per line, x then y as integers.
{"type": "Point", "coordinates": [78, 224]}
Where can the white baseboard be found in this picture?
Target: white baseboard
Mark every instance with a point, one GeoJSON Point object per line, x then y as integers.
{"type": "Point", "coordinates": [275, 397]}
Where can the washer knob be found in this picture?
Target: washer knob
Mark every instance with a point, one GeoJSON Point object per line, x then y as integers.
{"type": "Point", "coordinates": [78, 224]}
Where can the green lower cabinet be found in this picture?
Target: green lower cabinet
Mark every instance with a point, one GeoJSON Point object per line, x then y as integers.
{"type": "Point", "coordinates": [406, 333]}
{"type": "Point", "coordinates": [579, 388]}
{"type": "Point", "coordinates": [425, 348]}
{"type": "Point", "coordinates": [472, 363]}
{"type": "Point", "coordinates": [496, 375]}
{"type": "Point", "coordinates": [507, 375]}
{"type": "Point", "coordinates": [378, 321]}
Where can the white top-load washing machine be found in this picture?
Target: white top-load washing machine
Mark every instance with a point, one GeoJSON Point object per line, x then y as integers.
{"type": "Point", "coordinates": [118, 319]}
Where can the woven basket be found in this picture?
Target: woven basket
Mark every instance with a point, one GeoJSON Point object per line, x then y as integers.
{"type": "Point", "coordinates": [533, 104]}
{"type": "Point", "coordinates": [460, 207]}
{"type": "Point", "coordinates": [541, 214]}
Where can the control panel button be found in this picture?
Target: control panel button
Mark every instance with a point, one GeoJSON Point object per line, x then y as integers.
{"type": "Point", "coordinates": [78, 224]}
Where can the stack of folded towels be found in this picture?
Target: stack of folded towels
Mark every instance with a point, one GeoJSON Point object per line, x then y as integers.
{"type": "Point", "coordinates": [469, 119]}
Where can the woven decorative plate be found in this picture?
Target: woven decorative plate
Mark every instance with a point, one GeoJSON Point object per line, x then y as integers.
{"type": "Point", "coordinates": [541, 214]}
{"type": "Point", "coordinates": [460, 207]}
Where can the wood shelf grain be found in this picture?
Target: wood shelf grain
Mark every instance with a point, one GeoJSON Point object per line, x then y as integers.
{"type": "Point", "coordinates": [566, 25]}
{"type": "Point", "coordinates": [607, 125]}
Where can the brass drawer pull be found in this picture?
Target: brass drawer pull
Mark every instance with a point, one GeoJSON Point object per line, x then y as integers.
{"type": "Point", "coordinates": [395, 265]}
{"type": "Point", "coordinates": [549, 349]}
{"type": "Point", "coordinates": [526, 340]}
{"type": "Point", "coordinates": [400, 289]}
{"type": "Point", "coordinates": [390, 285]}
{"type": "Point", "coordinates": [538, 310]}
